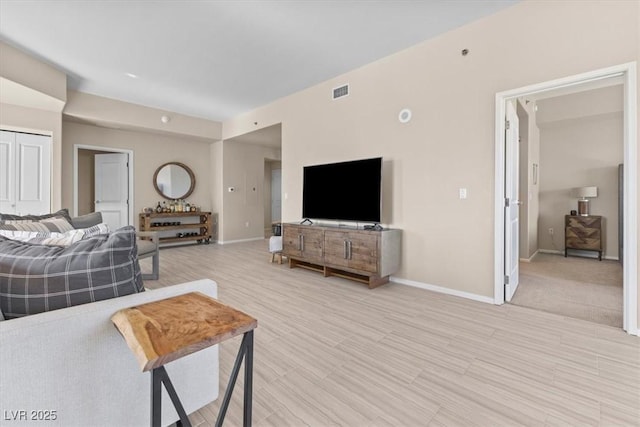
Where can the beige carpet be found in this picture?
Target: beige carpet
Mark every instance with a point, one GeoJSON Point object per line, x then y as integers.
{"type": "Point", "coordinates": [580, 288]}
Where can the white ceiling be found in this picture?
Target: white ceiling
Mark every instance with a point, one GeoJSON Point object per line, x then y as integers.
{"type": "Point", "coordinates": [217, 59]}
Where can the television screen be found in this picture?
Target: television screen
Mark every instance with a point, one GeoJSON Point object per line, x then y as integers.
{"type": "Point", "coordinates": [348, 191]}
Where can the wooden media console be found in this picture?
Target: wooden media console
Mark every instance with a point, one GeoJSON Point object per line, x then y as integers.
{"type": "Point", "coordinates": [367, 256]}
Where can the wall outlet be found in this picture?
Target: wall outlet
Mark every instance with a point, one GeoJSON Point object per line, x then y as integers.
{"type": "Point", "coordinates": [551, 231]}
{"type": "Point", "coordinates": [462, 193]}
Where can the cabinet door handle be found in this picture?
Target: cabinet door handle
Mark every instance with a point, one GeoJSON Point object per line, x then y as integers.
{"type": "Point", "coordinates": [301, 242]}
{"type": "Point", "coordinates": [345, 246]}
{"type": "Point", "coordinates": [349, 246]}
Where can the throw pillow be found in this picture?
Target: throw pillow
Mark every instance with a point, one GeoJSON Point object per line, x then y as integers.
{"type": "Point", "coordinates": [54, 238]}
{"type": "Point", "coordinates": [44, 237]}
{"type": "Point", "coordinates": [86, 221]}
{"type": "Point", "coordinates": [64, 213]}
{"type": "Point", "coordinates": [37, 278]}
{"type": "Point", "coordinates": [95, 230]}
{"type": "Point", "coordinates": [57, 225]}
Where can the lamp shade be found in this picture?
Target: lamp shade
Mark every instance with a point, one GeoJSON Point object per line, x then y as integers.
{"type": "Point", "coordinates": [584, 192]}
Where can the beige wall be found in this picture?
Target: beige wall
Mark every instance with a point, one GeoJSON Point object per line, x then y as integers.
{"type": "Point", "coordinates": [216, 179]}
{"type": "Point", "coordinates": [580, 153]}
{"type": "Point", "coordinates": [149, 151]}
{"type": "Point", "coordinates": [449, 143]}
{"type": "Point", "coordinates": [18, 67]}
{"type": "Point", "coordinates": [243, 169]}
{"type": "Point", "coordinates": [114, 113]}
{"type": "Point", "coordinates": [32, 95]}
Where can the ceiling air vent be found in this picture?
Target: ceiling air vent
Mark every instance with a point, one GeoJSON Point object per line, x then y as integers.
{"type": "Point", "coordinates": [341, 91]}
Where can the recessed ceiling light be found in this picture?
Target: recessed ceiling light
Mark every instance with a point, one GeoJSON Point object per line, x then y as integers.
{"type": "Point", "coordinates": [133, 76]}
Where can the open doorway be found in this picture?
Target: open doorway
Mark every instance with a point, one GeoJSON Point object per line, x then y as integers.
{"type": "Point", "coordinates": [570, 142]}
{"type": "Point", "coordinates": [504, 179]}
{"type": "Point", "coordinates": [272, 196]}
{"type": "Point", "coordinates": [103, 181]}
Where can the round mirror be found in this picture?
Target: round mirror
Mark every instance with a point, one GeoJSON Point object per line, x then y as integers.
{"type": "Point", "coordinates": [174, 180]}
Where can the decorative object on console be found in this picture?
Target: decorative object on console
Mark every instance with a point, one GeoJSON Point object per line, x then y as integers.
{"type": "Point", "coordinates": [174, 180]}
{"type": "Point", "coordinates": [583, 203]}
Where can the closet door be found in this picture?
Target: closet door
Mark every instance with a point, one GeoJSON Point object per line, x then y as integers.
{"type": "Point", "coordinates": [7, 172]}
{"type": "Point", "coordinates": [25, 187]}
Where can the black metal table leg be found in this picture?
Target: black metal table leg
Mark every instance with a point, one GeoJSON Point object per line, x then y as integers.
{"type": "Point", "coordinates": [159, 376]}
{"type": "Point", "coordinates": [248, 380]}
{"type": "Point", "coordinates": [244, 352]}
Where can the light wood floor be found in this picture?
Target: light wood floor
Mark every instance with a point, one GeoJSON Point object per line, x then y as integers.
{"type": "Point", "coordinates": [330, 352]}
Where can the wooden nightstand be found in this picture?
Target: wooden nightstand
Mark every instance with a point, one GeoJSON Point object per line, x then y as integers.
{"type": "Point", "coordinates": [583, 233]}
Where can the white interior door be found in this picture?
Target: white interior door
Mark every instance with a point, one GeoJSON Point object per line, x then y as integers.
{"type": "Point", "coordinates": [512, 204]}
{"type": "Point", "coordinates": [25, 173]}
{"type": "Point", "coordinates": [276, 196]}
{"type": "Point", "coordinates": [112, 188]}
{"type": "Point", "coordinates": [7, 172]}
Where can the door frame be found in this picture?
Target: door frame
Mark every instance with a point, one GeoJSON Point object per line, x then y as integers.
{"type": "Point", "coordinates": [630, 217]}
{"type": "Point", "coordinates": [76, 148]}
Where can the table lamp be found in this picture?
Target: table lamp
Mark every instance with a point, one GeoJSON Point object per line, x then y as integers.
{"type": "Point", "coordinates": [583, 202]}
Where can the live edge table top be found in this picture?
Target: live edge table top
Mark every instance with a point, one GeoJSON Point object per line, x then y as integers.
{"type": "Point", "coordinates": [163, 331]}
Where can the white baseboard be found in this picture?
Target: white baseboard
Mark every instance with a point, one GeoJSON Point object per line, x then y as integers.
{"type": "Point", "coordinates": [531, 257]}
{"type": "Point", "coordinates": [550, 251]}
{"type": "Point", "coordinates": [442, 290]}
{"type": "Point", "coordinates": [585, 254]}
{"type": "Point", "coordinates": [228, 242]}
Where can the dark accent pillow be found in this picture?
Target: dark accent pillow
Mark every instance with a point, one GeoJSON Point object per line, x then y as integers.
{"type": "Point", "coordinates": [37, 278]}
{"type": "Point", "coordinates": [64, 213]}
{"type": "Point", "coordinates": [86, 221]}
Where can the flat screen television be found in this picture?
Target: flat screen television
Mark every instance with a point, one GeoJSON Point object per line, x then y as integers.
{"type": "Point", "coordinates": [346, 191]}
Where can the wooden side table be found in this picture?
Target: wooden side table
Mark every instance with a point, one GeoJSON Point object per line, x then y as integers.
{"type": "Point", "coordinates": [583, 233]}
{"type": "Point", "coordinates": [162, 331]}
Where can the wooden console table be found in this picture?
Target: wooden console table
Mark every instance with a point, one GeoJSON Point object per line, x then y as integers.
{"type": "Point", "coordinates": [181, 227]}
{"type": "Point", "coordinates": [166, 330]}
{"type": "Point", "coordinates": [367, 256]}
